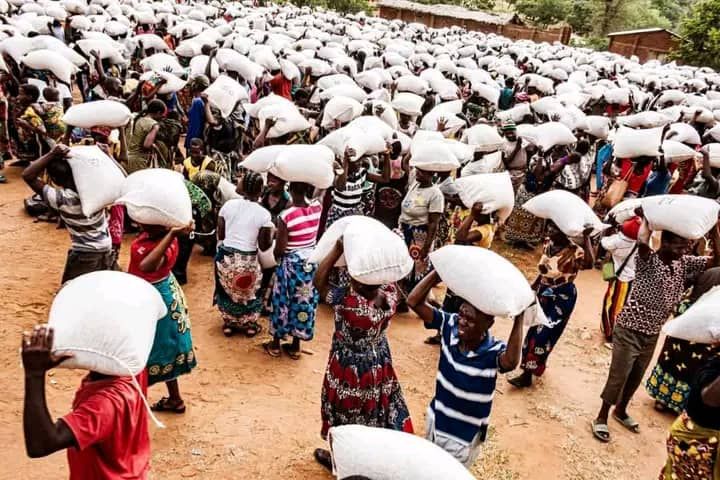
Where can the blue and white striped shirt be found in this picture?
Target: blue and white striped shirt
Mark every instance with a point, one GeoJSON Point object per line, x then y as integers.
{"type": "Point", "coordinates": [465, 383]}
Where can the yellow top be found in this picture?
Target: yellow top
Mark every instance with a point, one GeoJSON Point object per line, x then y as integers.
{"type": "Point", "coordinates": [193, 170]}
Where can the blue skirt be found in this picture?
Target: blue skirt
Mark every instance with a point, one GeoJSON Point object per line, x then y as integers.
{"type": "Point", "coordinates": [172, 352]}
{"type": "Point", "coordinates": [294, 298]}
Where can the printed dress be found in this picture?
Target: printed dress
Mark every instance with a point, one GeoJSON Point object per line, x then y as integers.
{"type": "Point", "coordinates": [172, 352]}
{"type": "Point", "coordinates": [360, 385]}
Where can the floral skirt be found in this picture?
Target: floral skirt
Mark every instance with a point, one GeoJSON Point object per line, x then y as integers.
{"type": "Point", "coordinates": [237, 281]}
{"type": "Point", "coordinates": [557, 303]}
{"type": "Point", "coordinates": [361, 387]}
{"type": "Point", "coordinates": [693, 452]}
{"type": "Point", "coordinates": [172, 352]}
{"type": "Point", "coordinates": [335, 213]}
{"type": "Point", "coordinates": [679, 361]}
{"type": "Point", "coordinates": [294, 298]}
{"type": "Point", "coordinates": [415, 236]}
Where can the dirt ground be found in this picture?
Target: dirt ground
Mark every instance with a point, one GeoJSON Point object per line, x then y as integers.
{"type": "Point", "coordinates": [252, 416]}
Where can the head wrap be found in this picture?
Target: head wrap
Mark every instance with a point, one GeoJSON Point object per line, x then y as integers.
{"type": "Point", "coordinates": [708, 279]}
{"type": "Point", "coordinates": [508, 126]}
{"type": "Point", "coordinates": [631, 228]}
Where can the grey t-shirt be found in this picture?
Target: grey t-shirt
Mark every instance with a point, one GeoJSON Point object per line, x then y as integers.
{"type": "Point", "coordinates": [419, 202]}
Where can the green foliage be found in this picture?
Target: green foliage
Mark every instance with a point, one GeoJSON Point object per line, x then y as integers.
{"type": "Point", "coordinates": [341, 6]}
{"type": "Point", "coordinates": [672, 10]}
{"type": "Point", "coordinates": [596, 43]}
{"type": "Point", "coordinates": [700, 30]}
{"type": "Point", "coordinates": [544, 12]}
{"type": "Point", "coordinates": [580, 16]}
{"type": "Point", "coordinates": [486, 5]}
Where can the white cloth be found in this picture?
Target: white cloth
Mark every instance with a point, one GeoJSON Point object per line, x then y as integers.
{"type": "Point", "coordinates": [620, 247]}
{"type": "Point", "coordinates": [463, 453]}
{"type": "Point", "coordinates": [243, 221]}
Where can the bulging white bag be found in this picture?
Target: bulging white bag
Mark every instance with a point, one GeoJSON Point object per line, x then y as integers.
{"type": "Point", "coordinates": [688, 216]}
{"type": "Point", "coordinates": [311, 164]}
{"type": "Point", "coordinates": [408, 103]}
{"type": "Point", "coordinates": [488, 281]}
{"type": "Point", "coordinates": [629, 143]}
{"type": "Point", "coordinates": [333, 234]}
{"type": "Point", "coordinates": [624, 210]}
{"type": "Point", "coordinates": [684, 133]}
{"type": "Point", "coordinates": [700, 323]}
{"type": "Point", "coordinates": [341, 109]}
{"type": "Point", "coordinates": [58, 65]}
{"type": "Point", "coordinates": [384, 454]}
{"type": "Point", "coordinates": [677, 152]}
{"type": "Point", "coordinates": [105, 113]}
{"type": "Point", "coordinates": [106, 320]}
{"type": "Point", "coordinates": [262, 159]}
{"type": "Point", "coordinates": [224, 94]}
{"type": "Point", "coordinates": [568, 211]}
{"type": "Point", "coordinates": [484, 138]}
{"type": "Point", "coordinates": [375, 255]}
{"type": "Point", "coordinates": [412, 84]}
{"type": "Point", "coordinates": [433, 156]}
{"type": "Point", "coordinates": [597, 126]}
{"type": "Point", "coordinates": [362, 143]}
{"type": "Point", "coordinates": [549, 134]}
{"type": "Point", "coordinates": [99, 180]}
{"type": "Point", "coordinates": [493, 190]}
{"type": "Point", "coordinates": [172, 84]}
{"type": "Point", "coordinates": [713, 151]}
{"type": "Point", "coordinates": [157, 196]}
{"type": "Point", "coordinates": [288, 119]}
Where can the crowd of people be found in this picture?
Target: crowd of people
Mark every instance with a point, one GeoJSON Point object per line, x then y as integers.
{"type": "Point", "coordinates": [261, 229]}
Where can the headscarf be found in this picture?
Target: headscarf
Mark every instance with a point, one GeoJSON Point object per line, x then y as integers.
{"type": "Point", "coordinates": [508, 126]}
{"type": "Point", "coordinates": [708, 279]}
{"type": "Point", "coordinates": [630, 228]}
{"type": "Point", "coordinates": [201, 82]}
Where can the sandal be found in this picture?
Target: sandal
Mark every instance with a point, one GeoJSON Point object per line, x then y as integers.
{"type": "Point", "coordinates": [628, 422]}
{"type": "Point", "coordinates": [291, 352]}
{"type": "Point", "coordinates": [434, 340]}
{"type": "Point", "coordinates": [324, 458]}
{"type": "Point", "coordinates": [228, 331]}
{"type": "Point", "coordinates": [272, 351]}
{"type": "Point", "coordinates": [252, 329]}
{"type": "Point", "coordinates": [164, 405]}
{"type": "Point", "coordinates": [600, 431]}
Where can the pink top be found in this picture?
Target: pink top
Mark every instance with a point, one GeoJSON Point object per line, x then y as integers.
{"type": "Point", "coordinates": [302, 225]}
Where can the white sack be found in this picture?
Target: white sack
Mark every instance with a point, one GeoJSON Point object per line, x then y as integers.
{"type": "Point", "coordinates": [568, 211]}
{"type": "Point", "coordinates": [58, 65]}
{"type": "Point", "coordinates": [688, 216]}
{"type": "Point", "coordinates": [105, 113]}
{"type": "Point", "coordinates": [311, 164]}
{"type": "Point", "coordinates": [375, 255]}
{"type": "Point", "coordinates": [224, 94]}
{"type": "Point", "coordinates": [98, 178]}
{"type": "Point", "coordinates": [157, 196]}
{"type": "Point", "coordinates": [484, 138]}
{"type": "Point", "coordinates": [493, 190]}
{"type": "Point", "coordinates": [699, 323]}
{"type": "Point", "coordinates": [433, 156]}
{"type": "Point", "coordinates": [629, 143]}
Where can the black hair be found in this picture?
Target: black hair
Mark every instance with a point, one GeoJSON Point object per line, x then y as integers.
{"type": "Point", "coordinates": [253, 183]}
{"type": "Point", "coordinates": [197, 142]}
{"type": "Point", "coordinates": [155, 106]}
{"type": "Point", "coordinates": [60, 173]}
{"type": "Point", "coordinates": [583, 147]}
{"type": "Point", "coordinates": [31, 91]}
{"type": "Point", "coordinates": [509, 82]}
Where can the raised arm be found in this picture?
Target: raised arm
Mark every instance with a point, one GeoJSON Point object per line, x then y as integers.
{"type": "Point", "coordinates": [711, 394]}
{"type": "Point", "coordinates": [322, 276]}
{"type": "Point", "coordinates": [154, 260]}
{"type": "Point", "coordinates": [32, 173]}
{"type": "Point", "coordinates": [418, 298]}
{"type": "Point", "coordinates": [385, 176]}
{"type": "Point", "coordinates": [510, 358]}
{"type": "Point", "coordinates": [42, 435]}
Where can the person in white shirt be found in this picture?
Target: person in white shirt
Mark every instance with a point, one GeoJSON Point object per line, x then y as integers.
{"type": "Point", "coordinates": [622, 246]}
{"type": "Point", "coordinates": [243, 227]}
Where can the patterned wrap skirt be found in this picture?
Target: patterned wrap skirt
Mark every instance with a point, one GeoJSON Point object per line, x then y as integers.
{"type": "Point", "coordinates": [294, 297]}
{"type": "Point", "coordinates": [172, 352]}
{"type": "Point", "coordinates": [615, 297]}
{"type": "Point", "coordinates": [557, 303]}
{"type": "Point", "coordinates": [693, 452]}
{"type": "Point", "coordinates": [360, 387]}
{"type": "Point", "coordinates": [415, 236]}
{"type": "Point", "coordinates": [521, 225]}
{"type": "Point", "coordinates": [237, 281]}
{"type": "Point", "coordinates": [335, 213]}
{"type": "Point", "coordinates": [678, 363]}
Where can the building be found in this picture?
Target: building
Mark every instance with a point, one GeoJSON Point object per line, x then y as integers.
{"type": "Point", "coordinates": [646, 44]}
{"type": "Point", "coordinates": [440, 16]}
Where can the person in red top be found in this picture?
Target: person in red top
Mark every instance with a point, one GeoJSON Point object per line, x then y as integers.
{"type": "Point", "coordinates": [281, 85]}
{"type": "Point", "coordinates": [152, 257]}
{"type": "Point", "coordinates": [105, 434]}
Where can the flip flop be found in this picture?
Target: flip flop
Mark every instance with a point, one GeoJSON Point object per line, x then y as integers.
{"type": "Point", "coordinates": [273, 352]}
{"type": "Point", "coordinates": [600, 431]}
{"type": "Point", "coordinates": [294, 354]}
{"type": "Point", "coordinates": [323, 458]}
{"type": "Point", "coordinates": [162, 406]}
{"type": "Point", "coordinates": [628, 422]}
{"type": "Point", "coordinates": [252, 330]}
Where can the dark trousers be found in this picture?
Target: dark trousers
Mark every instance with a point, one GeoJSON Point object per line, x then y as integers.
{"type": "Point", "coordinates": [81, 262]}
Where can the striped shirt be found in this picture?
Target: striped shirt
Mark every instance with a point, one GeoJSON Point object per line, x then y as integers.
{"type": "Point", "coordinates": [87, 234]}
{"type": "Point", "coordinates": [302, 225]}
{"type": "Point", "coordinates": [465, 383]}
{"type": "Point", "coordinates": [351, 195]}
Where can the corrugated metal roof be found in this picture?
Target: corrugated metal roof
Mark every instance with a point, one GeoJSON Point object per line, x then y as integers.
{"type": "Point", "coordinates": [452, 11]}
{"type": "Point", "coordinates": [643, 30]}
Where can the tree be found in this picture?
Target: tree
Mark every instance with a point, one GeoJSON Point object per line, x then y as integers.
{"type": "Point", "coordinates": [544, 13]}
{"type": "Point", "coordinates": [700, 31]}
{"type": "Point", "coordinates": [581, 15]}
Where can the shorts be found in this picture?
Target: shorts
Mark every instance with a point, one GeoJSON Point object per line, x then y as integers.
{"type": "Point", "coordinates": [463, 452]}
{"type": "Point", "coordinates": [82, 262]}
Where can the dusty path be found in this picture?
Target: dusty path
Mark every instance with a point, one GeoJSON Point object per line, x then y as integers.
{"type": "Point", "coordinates": [251, 416]}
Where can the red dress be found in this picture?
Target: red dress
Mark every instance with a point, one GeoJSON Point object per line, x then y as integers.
{"type": "Point", "coordinates": [141, 248]}
{"type": "Point", "coordinates": [360, 385]}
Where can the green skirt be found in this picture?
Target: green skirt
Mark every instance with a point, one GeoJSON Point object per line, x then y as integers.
{"type": "Point", "coordinates": [172, 352]}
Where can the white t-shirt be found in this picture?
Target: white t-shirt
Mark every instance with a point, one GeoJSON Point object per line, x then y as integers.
{"type": "Point", "coordinates": [621, 247]}
{"type": "Point", "coordinates": [243, 221]}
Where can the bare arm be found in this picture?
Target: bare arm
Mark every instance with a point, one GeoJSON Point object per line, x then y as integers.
{"type": "Point", "coordinates": [149, 141]}
{"type": "Point", "coordinates": [209, 117]}
{"type": "Point", "coordinates": [715, 241]}
{"type": "Point", "coordinates": [322, 276]}
{"type": "Point", "coordinates": [220, 228]}
{"type": "Point", "coordinates": [265, 238]}
{"type": "Point", "coordinates": [32, 173]}
{"type": "Point", "coordinates": [433, 223]}
{"type": "Point", "coordinates": [42, 435]}
{"type": "Point", "coordinates": [510, 358]}
{"type": "Point", "coordinates": [281, 239]}
{"type": "Point", "coordinates": [418, 298]}
{"type": "Point", "coordinates": [385, 176]}
{"type": "Point", "coordinates": [154, 260]}
{"type": "Point", "coordinates": [588, 252]}
{"type": "Point", "coordinates": [711, 394]}
{"type": "Point", "coordinates": [123, 156]}
{"type": "Point", "coordinates": [261, 138]}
